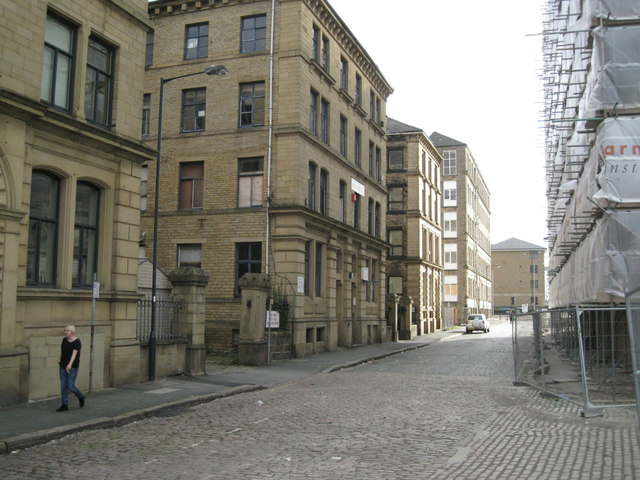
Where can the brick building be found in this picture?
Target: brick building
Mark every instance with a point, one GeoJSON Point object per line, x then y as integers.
{"type": "Point", "coordinates": [275, 168]}
{"type": "Point", "coordinates": [518, 275]}
{"type": "Point", "coordinates": [466, 222]}
{"type": "Point", "coordinates": [414, 224]}
{"type": "Point", "coordinates": [70, 167]}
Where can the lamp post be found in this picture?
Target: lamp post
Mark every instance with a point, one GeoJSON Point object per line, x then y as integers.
{"type": "Point", "coordinates": [533, 254]}
{"type": "Point", "coordinates": [219, 70]}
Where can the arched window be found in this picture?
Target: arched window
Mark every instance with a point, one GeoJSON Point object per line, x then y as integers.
{"type": "Point", "coordinates": [85, 238]}
{"type": "Point", "coordinates": [43, 229]}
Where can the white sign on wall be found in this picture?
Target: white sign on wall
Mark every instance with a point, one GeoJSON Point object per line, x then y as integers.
{"type": "Point", "coordinates": [273, 319]}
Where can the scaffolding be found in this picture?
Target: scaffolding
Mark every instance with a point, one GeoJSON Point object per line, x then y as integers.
{"type": "Point", "coordinates": [591, 52]}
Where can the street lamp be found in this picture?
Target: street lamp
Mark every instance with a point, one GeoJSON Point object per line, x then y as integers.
{"type": "Point", "coordinates": [219, 70]}
{"type": "Point", "coordinates": [533, 254]}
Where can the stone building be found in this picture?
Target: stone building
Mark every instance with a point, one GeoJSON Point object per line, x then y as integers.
{"type": "Point", "coordinates": [518, 275]}
{"type": "Point", "coordinates": [414, 224]}
{"type": "Point", "coordinates": [466, 227]}
{"type": "Point", "coordinates": [70, 166]}
{"type": "Point", "coordinates": [275, 168]}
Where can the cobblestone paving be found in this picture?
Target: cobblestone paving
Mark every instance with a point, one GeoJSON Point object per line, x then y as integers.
{"type": "Point", "coordinates": [440, 412]}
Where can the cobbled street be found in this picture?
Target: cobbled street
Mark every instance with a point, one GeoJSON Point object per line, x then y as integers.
{"type": "Point", "coordinates": [446, 411]}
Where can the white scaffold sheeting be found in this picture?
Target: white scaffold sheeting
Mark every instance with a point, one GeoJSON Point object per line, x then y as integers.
{"type": "Point", "coordinates": [607, 261]}
{"type": "Point", "coordinates": [618, 145]}
{"type": "Point", "coordinates": [616, 61]}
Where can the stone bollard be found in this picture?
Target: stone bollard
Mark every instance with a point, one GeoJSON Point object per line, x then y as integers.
{"type": "Point", "coordinates": [404, 329]}
{"type": "Point", "coordinates": [188, 286]}
{"type": "Point", "coordinates": [392, 319]}
{"type": "Point", "coordinates": [252, 347]}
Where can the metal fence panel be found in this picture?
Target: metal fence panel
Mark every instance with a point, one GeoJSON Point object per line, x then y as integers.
{"type": "Point", "coordinates": [581, 354]}
{"type": "Point", "coordinates": [168, 326]}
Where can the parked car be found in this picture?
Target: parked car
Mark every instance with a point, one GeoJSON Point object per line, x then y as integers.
{"type": "Point", "coordinates": [477, 321]}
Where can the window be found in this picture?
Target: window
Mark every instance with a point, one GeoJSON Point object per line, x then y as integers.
{"type": "Point", "coordinates": [449, 163]}
{"type": "Point", "coordinates": [358, 89]}
{"type": "Point", "coordinates": [194, 109]}
{"type": "Point", "coordinates": [372, 104]}
{"type": "Point", "coordinates": [307, 268]}
{"type": "Point", "coordinates": [144, 183]}
{"type": "Point", "coordinates": [343, 136]}
{"type": "Point", "coordinates": [356, 211]}
{"type": "Point", "coordinates": [395, 242]}
{"type": "Point", "coordinates": [450, 288]}
{"type": "Point", "coordinates": [252, 104]}
{"type": "Point", "coordinates": [43, 229]}
{"type": "Point", "coordinates": [395, 158]}
{"type": "Point", "coordinates": [324, 121]}
{"type": "Point", "coordinates": [99, 83]}
{"type": "Point", "coordinates": [311, 189]}
{"type": "Point", "coordinates": [325, 53]}
{"type": "Point", "coordinates": [57, 64]}
{"type": "Point", "coordinates": [395, 285]}
{"type": "Point", "coordinates": [344, 74]}
{"type": "Point", "coordinates": [146, 114]}
{"type": "Point", "coordinates": [451, 194]}
{"type": "Point", "coordinates": [248, 260]}
{"type": "Point", "coordinates": [357, 147]}
{"type": "Point", "coordinates": [451, 256]}
{"type": "Point", "coordinates": [377, 221]}
{"type": "Point", "coordinates": [313, 113]}
{"type": "Point", "coordinates": [191, 185]}
{"type": "Point", "coordinates": [378, 110]}
{"type": "Point", "coordinates": [450, 227]}
{"type": "Point", "coordinates": [190, 255]}
{"type": "Point", "coordinates": [316, 43]}
{"type": "Point", "coordinates": [196, 41]}
{"type": "Point", "coordinates": [313, 268]}
{"type": "Point", "coordinates": [85, 239]}
{"type": "Point", "coordinates": [324, 180]}
{"type": "Point", "coordinates": [318, 270]}
{"type": "Point", "coordinates": [254, 34]}
{"type": "Point", "coordinates": [148, 56]}
{"type": "Point", "coordinates": [370, 217]}
{"type": "Point", "coordinates": [374, 276]}
{"type": "Point", "coordinates": [343, 202]}
{"type": "Point", "coordinates": [533, 268]}
{"type": "Point", "coordinates": [250, 178]}
{"type": "Point", "coordinates": [371, 157]}
{"type": "Point", "coordinates": [396, 199]}
{"type": "Point", "coordinates": [378, 162]}
{"type": "Point", "coordinates": [533, 283]}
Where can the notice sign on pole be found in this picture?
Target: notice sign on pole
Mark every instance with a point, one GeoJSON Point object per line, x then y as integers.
{"type": "Point", "coordinates": [96, 290]}
{"type": "Point", "coordinates": [273, 319]}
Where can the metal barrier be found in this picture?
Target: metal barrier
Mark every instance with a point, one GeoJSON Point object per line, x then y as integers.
{"type": "Point", "coordinates": [167, 320]}
{"type": "Point", "coordinates": [584, 354]}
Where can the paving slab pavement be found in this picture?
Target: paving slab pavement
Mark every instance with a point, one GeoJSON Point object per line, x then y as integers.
{"type": "Point", "coordinates": [33, 423]}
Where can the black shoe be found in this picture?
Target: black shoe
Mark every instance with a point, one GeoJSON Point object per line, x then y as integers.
{"type": "Point", "coordinates": [81, 400]}
{"type": "Point", "coordinates": [62, 408]}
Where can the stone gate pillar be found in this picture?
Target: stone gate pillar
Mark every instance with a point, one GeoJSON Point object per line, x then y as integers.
{"type": "Point", "coordinates": [188, 286]}
{"type": "Point", "coordinates": [252, 348]}
{"type": "Point", "coordinates": [392, 301]}
{"type": "Point", "coordinates": [406, 303]}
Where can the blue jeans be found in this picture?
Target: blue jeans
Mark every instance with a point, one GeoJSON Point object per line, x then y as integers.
{"type": "Point", "coordinates": [68, 382]}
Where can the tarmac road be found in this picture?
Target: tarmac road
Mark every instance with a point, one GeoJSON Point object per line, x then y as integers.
{"type": "Point", "coordinates": [448, 411]}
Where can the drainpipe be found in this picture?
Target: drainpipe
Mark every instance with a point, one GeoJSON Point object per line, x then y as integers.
{"type": "Point", "coordinates": [269, 150]}
{"type": "Point", "coordinates": [270, 144]}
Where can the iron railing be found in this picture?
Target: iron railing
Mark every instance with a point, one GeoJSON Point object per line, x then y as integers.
{"type": "Point", "coordinates": [168, 326]}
